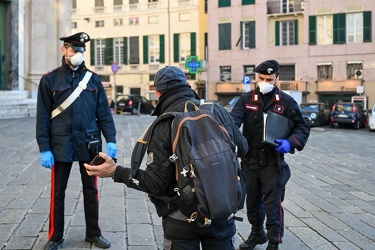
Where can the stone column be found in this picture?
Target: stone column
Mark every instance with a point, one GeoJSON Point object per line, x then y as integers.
{"type": "Point", "coordinates": [49, 21]}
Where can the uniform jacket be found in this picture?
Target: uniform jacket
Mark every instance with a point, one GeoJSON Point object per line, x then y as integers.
{"type": "Point", "coordinates": [67, 135]}
{"type": "Point", "coordinates": [159, 180]}
{"type": "Point", "coordinates": [250, 108]}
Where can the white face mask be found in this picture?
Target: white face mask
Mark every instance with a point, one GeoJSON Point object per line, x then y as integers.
{"type": "Point", "coordinates": [265, 87]}
{"type": "Point", "coordinates": [77, 59]}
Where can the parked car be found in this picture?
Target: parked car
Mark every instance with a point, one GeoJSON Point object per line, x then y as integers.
{"type": "Point", "coordinates": [130, 103]}
{"type": "Point", "coordinates": [371, 119]}
{"type": "Point", "coordinates": [315, 113]}
{"type": "Point", "coordinates": [231, 103]}
{"type": "Point", "coordinates": [348, 113]}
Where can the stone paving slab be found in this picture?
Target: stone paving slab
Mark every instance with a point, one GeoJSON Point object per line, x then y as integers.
{"type": "Point", "coordinates": [329, 204]}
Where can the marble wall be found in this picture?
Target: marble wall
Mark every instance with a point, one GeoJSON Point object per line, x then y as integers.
{"type": "Point", "coordinates": [36, 26]}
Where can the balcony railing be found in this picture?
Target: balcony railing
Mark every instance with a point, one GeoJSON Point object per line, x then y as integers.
{"type": "Point", "coordinates": [284, 7]}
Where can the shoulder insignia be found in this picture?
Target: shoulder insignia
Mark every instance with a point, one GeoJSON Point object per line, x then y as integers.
{"type": "Point", "coordinates": [53, 70]}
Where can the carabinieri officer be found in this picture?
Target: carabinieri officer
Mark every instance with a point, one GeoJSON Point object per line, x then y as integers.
{"type": "Point", "coordinates": [68, 129]}
{"type": "Point", "coordinates": [266, 171]}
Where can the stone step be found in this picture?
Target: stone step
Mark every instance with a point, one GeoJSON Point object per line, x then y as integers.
{"type": "Point", "coordinates": [15, 104]}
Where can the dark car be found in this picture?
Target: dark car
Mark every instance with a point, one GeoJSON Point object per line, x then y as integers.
{"type": "Point", "coordinates": [315, 113]}
{"type": "Point", "coordinates": [130, 103]}
{"type": "Point", "coordinates": [348, 113]}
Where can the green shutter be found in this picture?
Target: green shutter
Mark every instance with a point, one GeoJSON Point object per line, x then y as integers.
{"type": "Point", "coordinates": [225, 31]}
{"type": "Point", "coordinates": [92, 52]}
{"type": "Point", "coordinates": [193, 44]}
{"type": "Point", "coordinates": [224, 3]}
{"type": "Point", "coordinates": [295, 32]}
{"type": "Point", "coordinates": [312, 30]}
{"type": "Point", "coordinates": [108, 60]}
{"type": "Point", "coordinates": [126, 56]}
{"type": "Point", "coordinates": [252, 34]}
{"type": "Point", "coordinates": [367, 26]}
{"type": "Point", "coordinates": [176, 48]}
{"type": "Point", "coordinates": [277, 33]}
{"type": "Point", "coordinates": [145, 49]}
{"type": "Point", "coordinates": [246, 2]}
{"type": "Point", "coordinates": [339, 24]}
{"type": "Point", "coordinates": [162, 48]}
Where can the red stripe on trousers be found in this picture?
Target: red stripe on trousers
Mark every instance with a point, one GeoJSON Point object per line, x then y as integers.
{"type": "Point", "coordinates": [52, 205]}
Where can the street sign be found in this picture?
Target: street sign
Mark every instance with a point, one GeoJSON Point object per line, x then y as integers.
{"type": "Point", "coordinates": [193, 64]}
{"type": "Point", "coordinates": [114, 67]}
{"type": "Point", "coordinates": [246, 83]}
{"type": "Point", "coordinates": [246, 80]}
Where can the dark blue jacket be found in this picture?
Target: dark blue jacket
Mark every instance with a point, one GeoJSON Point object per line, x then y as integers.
{"type": "Point", "coordinates": [249, 111]}
{"type": "Point", "coordinates": [68, 134]}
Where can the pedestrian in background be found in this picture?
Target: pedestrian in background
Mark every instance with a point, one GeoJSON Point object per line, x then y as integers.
{"type": "Point", "coordinates": [160, 180]}
{"type": "Point", "coordinates": [266, 171]}
{"type": "Point", "coordinates": [72, 112]}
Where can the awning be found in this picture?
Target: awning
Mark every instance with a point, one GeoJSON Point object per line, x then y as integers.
{"type": "Point", "coordinates": [336, 92]}
{"type": "Point", "coordinates": [324, 63]}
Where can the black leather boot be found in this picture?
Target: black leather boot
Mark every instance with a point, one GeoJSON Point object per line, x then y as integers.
{"type": "Point", "coordinates": [272, 246]}
{"type": "Point", "coordinates": [255, 238]}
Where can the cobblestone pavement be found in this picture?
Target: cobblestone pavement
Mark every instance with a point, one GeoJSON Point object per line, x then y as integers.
{"type": "Point", "coordinates": [330, 200]}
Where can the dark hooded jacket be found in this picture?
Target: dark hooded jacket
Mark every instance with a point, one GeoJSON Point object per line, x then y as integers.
{"type": "Point", "coordinates": [157, 179]}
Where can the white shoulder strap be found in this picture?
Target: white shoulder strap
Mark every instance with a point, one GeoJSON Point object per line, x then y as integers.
{"type": "Point", "coordinates": [81, 86]}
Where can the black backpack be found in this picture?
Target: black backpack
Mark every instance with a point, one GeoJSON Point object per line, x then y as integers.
{"type": "Point", "coordinates": [210, 183]}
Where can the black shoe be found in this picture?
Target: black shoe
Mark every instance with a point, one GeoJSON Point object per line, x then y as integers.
{"type": "Point", "coordinates": [272, 246]}
{"type": "Point", "coordinates": [98, 241]}
{"type": "Point", "coordinates": [253, 240]}
{"type": "Point", "coordinates": [53, 245]}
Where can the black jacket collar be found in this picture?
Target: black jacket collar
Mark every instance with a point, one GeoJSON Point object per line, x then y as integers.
{"type": "Point", "coordinates": [174, 99]}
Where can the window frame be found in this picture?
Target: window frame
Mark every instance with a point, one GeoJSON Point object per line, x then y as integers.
{"type": "Point", "coordinates": [324, 71]}
{"type": "Point", "coordinates": [153, 49]}
{"type": "Point", "coordinates": [99, 52]}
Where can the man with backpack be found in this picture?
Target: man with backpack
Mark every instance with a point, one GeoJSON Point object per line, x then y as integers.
{"type": "Point", "coordinates": [162, 175]}
{"type": "Point", "coordinates": [266, 171]}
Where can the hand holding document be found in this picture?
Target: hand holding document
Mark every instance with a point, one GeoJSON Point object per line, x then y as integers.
{"type": "Point", "coordinates": [276, 127]}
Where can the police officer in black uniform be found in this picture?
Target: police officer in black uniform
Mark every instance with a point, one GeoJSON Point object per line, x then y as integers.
{"type": "Point", "coordinates": [266, 171]}
{"type": "Point", "coordinates": [64, 133]}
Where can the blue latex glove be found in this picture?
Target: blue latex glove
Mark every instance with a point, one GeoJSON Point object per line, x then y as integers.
{"type": "Point", "coordinates": [284, 146]}
{"type": "Point", "coordinates": [111, 149]}
{"type": "Point", "coordinates": [47, 159]}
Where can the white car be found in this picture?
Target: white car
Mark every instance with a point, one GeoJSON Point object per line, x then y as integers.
{"type": "Point", "coordinates": [371, 120]}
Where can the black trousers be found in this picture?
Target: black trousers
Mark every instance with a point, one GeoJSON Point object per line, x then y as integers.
{"type": "Point", "coordinates": [181, 235]}
{"type": "Point", "coordinates": [265, 193]}
{"type": "Point", "coordinates": [59, 180]}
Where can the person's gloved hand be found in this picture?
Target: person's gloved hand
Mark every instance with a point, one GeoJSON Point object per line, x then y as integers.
{"type": "Point", "coordinates": [47, 159]}
{"type": "Point", "coordinates": [111, 149]}
{"type": "Point", "coordinates": [284, 146]}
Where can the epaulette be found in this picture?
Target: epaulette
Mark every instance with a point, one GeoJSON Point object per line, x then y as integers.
{"type": "Point", "coordinates": [49, 72]}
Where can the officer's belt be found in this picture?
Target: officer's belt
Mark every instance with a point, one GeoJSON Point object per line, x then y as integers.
{"type": "Point", "coordinates": [73, 96]}
{"type": "Point", "coordinates": [261, 152]}
{"type": "Point", "coordinates": [261, 156]}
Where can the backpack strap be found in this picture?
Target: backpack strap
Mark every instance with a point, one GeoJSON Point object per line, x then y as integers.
{"type": "Point", "coordinates": [141, 145]}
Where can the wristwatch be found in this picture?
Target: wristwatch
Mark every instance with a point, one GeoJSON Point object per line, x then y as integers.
{"type": "Point", "coordinates": [113, 175]}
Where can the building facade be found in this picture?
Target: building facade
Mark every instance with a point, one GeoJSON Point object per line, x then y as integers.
{"type": "Point", "coordinates": [29, 41]}
{"type": "Point", "coordinates": [325, 48]}
{"type": "Point", "coordinates": [132, 39]}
